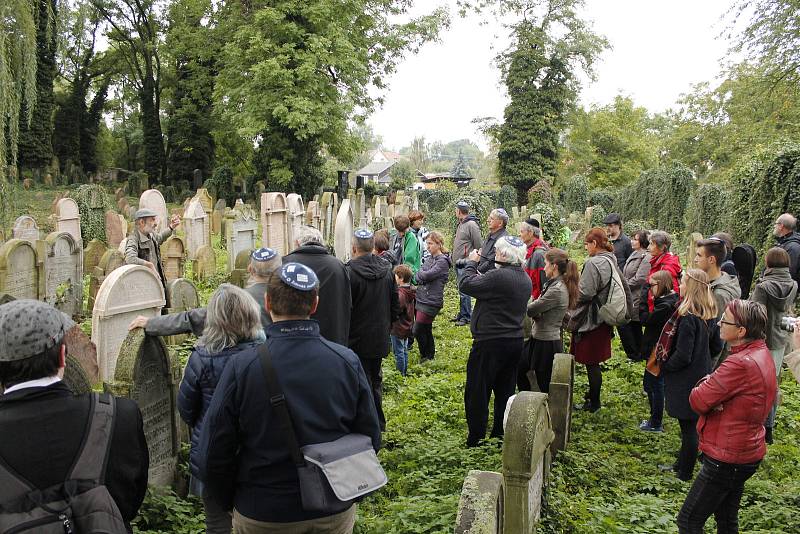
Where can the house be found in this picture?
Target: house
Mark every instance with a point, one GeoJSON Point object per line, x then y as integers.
{"type": "Point", "coordinates": [431, 179]}
{"type": "Point", "coordinates": [385, 156]}
{"type": "Point", "coordinates": [377, 172]}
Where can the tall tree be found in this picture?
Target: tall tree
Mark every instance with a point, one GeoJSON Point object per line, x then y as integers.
{"type": "Point", "coordinates": [459, 169]}
{"type": "Point", "coordinates": [771, 36]}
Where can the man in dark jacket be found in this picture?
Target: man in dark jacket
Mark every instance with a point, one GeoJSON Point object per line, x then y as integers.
{"type": "Point", "coordinates": [497, 222]}
{"type": "Point", "coordinates": [621, 242]}
{"type": "Point", "coordinates": [789, 240]}
{"type": "Point", "coordinates": [243, 456]}
{"type": "Point", "coordinates": [501, 302]}
{"type": "Point", "coordinates": [466, 239]}
{"type": "Point", "coordinates": [42, 421]}
{"type": "Point", "coordinates": [375, 306]}
{"type": "Point", "coordinates": [333, 312]}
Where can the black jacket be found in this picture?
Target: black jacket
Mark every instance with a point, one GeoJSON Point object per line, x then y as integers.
{"type": "Point", "coordinates": [333, 312]}
{"type": "Point", "coordinates": [689, 361]}
{"type": "Point", "coordinates": [486, 262]}
{"type": "Point", "coordinates": [243, 456]}
{"type": "Point", "coordinates": [791, 244]}
{"type": "Point", "coordinates": [375, 305]}
{"type": "Point", "coordinates": [501, 300]}
{"type": "Point", "coordinates": [42, 431]}
{"type": "Point", "coordinates": [622, 249]}
{"type": "Point", "coordinates": [653, 322]}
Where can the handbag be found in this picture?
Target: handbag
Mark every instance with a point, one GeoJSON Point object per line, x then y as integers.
{"type": "Point", "coordinates": [332, 475]}
{"type": "Point", "coordinates": [653, 367]}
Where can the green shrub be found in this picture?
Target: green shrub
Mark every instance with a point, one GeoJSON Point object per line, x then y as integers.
{"type": "Point", "coordinates": [574, 195]}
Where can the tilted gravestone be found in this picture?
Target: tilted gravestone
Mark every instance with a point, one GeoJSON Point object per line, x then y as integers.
{"type": "Point", "coordinates": [204, 265]}
{"type": "Point", "coordinates": [75, 377]}
{"type": "Point", "coordinates": [153, 199]}
{"type": "Point", "coordinates": [92, 255]}
{"type": "Point", "coordinates": [25, 227]}
{"type": "Point", "coordinates": [275, 222]}
{"type": "Point", "coordinates": [111, 259]}
{"type": "Point", "coordinates": [296, 213]}
{"type": "Point", "coordinates": [84, 352]}
{"type": "Point", "coordinates": [240, 233]}
{"type": "Point", "coordinates": [343, 237]}
{"type": "Point", "coordinates": [63, 272]}
{"type": "Point", "coordinates": [217, 215]}
{"type": "Point", "coordinates": [239, 274]}
{"type": "Point", "coordinates": [173, 257]}
{"type": "Point", "coordinates": [145, 373]}
{"type": "Point", "coordinates": [21, 273]}
{"type": "Point", "coordinates": [68, 217]}
{"type": "Point", "coordinates": [560, 403]}
{"type": "Point", "coordinates": [196, 228]}
{"type": "Point", "coordinates": [182, 297]}
{"type": "Point", "coordinates": [126, 293]}
{"type": "Point", "coordinates": [480, 508]}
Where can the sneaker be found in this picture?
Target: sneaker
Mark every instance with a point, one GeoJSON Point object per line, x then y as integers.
{"type": "Point", "coordinates": [668, 468]}
{"type": "Point", "coordinates": [455, 319]}
{"type": "Point", "coordinates": [462, 322]}
{"type": "Point", "coordinates": [645, 426]}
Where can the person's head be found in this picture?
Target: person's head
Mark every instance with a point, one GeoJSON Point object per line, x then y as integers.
{"type": "Point", "coordinates": [435, 242]}
{"type": "Point", "coordinates": [529, 232]}
{"type": "Point", "coordinates": [661, 284]}
{"type": "Point", "coordinates": [640, 240]}
{"type": "Point", "coordinates": [462, 209]}
{"type": "Point", "coordinates": [709, 254]}
{"type": "Point", "coordinates": [557, 263]}
{"type": "Point", "coordinates": [659, 243]}
{"type": "Point", "coordinates": [31, 341]}
{"type": "Point", "coordinates": [232, 317]}
{"type": "Point", "coordinates": [785, 224]}
{"type": "Point", "coordinates": [696, 294]}
{"type": "Point", "coordinates": [381, 241]}
{"type": "Point", "coordinates": [363, 242]}
{"type": "Point", "coordinates": [292, 292]}
{"type": "Point", "coordinates": [401, 223]}
{"type": "Point", "coordinates": [263, 262]}
{"type": "Point", "coordinates": [613, 223]}
{"type": "Point", "coordinates": [510, 250]}
{"type": "Point", "coordinates": [498, 218]}
{"type": "Point", "coordinates": [727, 239]}
{"type": "Point", "coordinates": [145, 220]}
{"type": "Point", "coordinates": [308, 235]}
{"type": "Point", "coordinates": [596, 241]}
{"type": "Point", "coordinates": [776, 258]}
{"type": "Point", "coordinates": [402, 274]}
{"type": "Point", "coordinates": [743, 321]}
{"type": "Point", "coordinates": [416, 218]}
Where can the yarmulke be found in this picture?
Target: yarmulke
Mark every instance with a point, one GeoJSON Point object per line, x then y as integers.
{"type": "Point", "coordinates": [533, 222]}
{"type": "Point", "coordinates": [514, 241]}
{"type": "Point", "coordinates": [462, 204]}
{"type": "Point", "coordinates": [502, 213]}
{"type": "Point", "coordinates": [144, 212]}
{"type": "Point", "coordinates": [299, 276]}
{"type": "Point", "coordinates": [263, 254]}
{"type": "Point", "coordinates": [363, 233]}
{"type": "Point", "coordinates": [30, 327]}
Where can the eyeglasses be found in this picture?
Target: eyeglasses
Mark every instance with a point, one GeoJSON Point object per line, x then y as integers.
{"type": "Point", "coordinates": [722, 322]}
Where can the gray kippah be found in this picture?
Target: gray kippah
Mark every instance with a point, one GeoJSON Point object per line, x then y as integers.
{"type": "Point", "coordinates": [144, 212]}
{"type": "Point", "coordinates": [30, 327]}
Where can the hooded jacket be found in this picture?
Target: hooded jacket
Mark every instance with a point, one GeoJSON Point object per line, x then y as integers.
{"type": "Point", "coordinates": [665, 262]}
{"type": "Point", "coordinates": [791, 244]}
{"type": "Point", "coordinates": [375, 305]}
{"type": "Point", "coordinates": [401, 327]}
{"type": "Point", "coordinates": [777, 292]}
{"type": "Point", "coordinates": [467, 238]}
{"type": "Point", "coordinates": [725, 289]}
{"type": "Point", "coordinates": [431, 280]}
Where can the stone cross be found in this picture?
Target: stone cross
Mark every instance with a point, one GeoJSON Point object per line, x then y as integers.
{"type": "Point", "coordinates": [560, 403]}
{"type": "Point", "coordinates": [240, 234]}
{"type": "Point", "coordinates": [275, 222]}
{"type": "Point", "coordinates": [25, 227]}
{"type": "Point", "coordinates": [68, 217]}
{"type": "Point", "coordinates": [343, 236]}
{"type": "Point", "coordinates": [63, 272]}
{"type": "Point", "coordinates": [196, 228]}
{"type": "Point", "coordinates": [154, 200]}
{"type": "Point", "coordinates": [20, 270]}
{"type": "Point", "coordinates": [173, 256]}
{"type": "Point", "coordinates": [296, 213]}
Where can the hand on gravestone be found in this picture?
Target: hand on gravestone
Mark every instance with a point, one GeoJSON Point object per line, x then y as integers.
{"type": "Point", "coordinates": [139, 322]}
{"type": "Point", "coordinates": [174, 221]}
{"type": "Point", "coordinates": [152, 267]}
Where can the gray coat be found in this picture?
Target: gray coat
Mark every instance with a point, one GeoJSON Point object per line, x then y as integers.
{"type": "Point", "coordinates": [467, 238]}
{"type": "Point", "coordinates": [594, 284]}
{"type": "Point", "coordinates": [725, 289]}
{"type": "Point", "coordinates": [635, 272]}
{"type": "Point", "coordinates": [776, 291]}
{"type": "Point", "coordinates": [548, 311]}
{"type": "Point", "coordinates": [140, 248]}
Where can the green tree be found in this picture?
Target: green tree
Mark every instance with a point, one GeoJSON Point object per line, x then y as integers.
{"type": "Point", "coordinates": [403, 174]}
{"type": "Point", "coordinates": [419, 153]}
{"type": "Point", "coordinates": [459, 169]}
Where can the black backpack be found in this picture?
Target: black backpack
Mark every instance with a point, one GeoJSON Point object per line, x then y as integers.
{"type": "Point", "coordinates": [745, 259]}
{"type": "Point", "coordinates": [79, 505]}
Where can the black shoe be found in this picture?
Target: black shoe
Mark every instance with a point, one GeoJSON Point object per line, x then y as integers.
{"type": "Point", "coordinates": [587, 407]}
{"type": "Point", "coordinates": [455, 319]}
{"type": "Point", "coordinates": [462, 322]}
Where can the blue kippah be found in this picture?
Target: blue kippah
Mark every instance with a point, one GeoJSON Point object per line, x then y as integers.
{"type": "Point", "coordinates": [298, 276]}
{"type": "Point", "coordinates": [514, 241]}
{"type": "Point", "coordinates": [263, 254]}
{"type": "Point", "coordinates": [363, 233]}
{"type": "Point", "coordinates": [502, 212]}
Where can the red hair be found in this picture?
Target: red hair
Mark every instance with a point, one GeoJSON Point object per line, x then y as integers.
{"type": "Point", "coordinates": [600, 236]}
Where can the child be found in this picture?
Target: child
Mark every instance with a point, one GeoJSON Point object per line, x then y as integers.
{"type": "Point", "coordinates": [401, 328]}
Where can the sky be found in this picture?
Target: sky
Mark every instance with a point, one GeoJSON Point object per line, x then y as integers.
{"type": "Point", "coordinates": [659, 51]}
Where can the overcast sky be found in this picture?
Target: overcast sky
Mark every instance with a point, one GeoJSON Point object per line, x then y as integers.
{"type": "Point", "coordinates": [660, 49]}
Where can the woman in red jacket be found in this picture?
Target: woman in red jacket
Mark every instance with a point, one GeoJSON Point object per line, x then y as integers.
{"type": "Point", "coordinates": [732, 403]}
{"type": "Point", "coordinates": [661, 259]}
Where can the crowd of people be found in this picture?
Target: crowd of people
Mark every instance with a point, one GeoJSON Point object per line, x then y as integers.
{"type": "Point", "coordinates": [711, 360]}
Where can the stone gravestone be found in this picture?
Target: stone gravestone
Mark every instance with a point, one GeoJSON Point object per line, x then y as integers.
{"type": "Point", "coordinates": [208, 206]}
{"type": "Point", "coordinates": [75, 377]}
{"type": "Point", "coordinates": [414, 200]}
{"type": "Point", "coordinates": [69, 218]}
{"type": "Point", "coordinates": [480, 509]}
{"type": "Point", "coordinates": [692, 249]}
{"type": "Point", "coordinates": [92, 254]}
{"type": "Point", "coordinates": [400, 204]}
{"type": "Point", "coordinates": [240, 234]}
{"type": "Point", "coordinates": [343, 237]}
{"type": "Point", "coordinates": [560, 403]}
{"type": "Point", "coordinates": [313, 217]}
{"type": "Point", "coordinates": [239, 274]}
{"type": "Point", "coordinates": [63, 272]}
{"type": "Point", "coordinates": [20, 270]}
{"type": "Point", "coordinates": [196, 228]}
{"type": "Point", "coordinates": [25, 227]}
{"type": "Point", "coordinates": [204, 264]}
{"type": "Point", "coordinates": [275, 222]}
{"type": "Point", "coordinates": [153, 199]}
{"type": "Point", "coordinates": [173, 255]}
{"type": "Point", "coordinates": [146, 374]}
{"type": "Point", "coordinates": [126, 293]}
{"type": "Point", "coordinates": [112, 259]}
{"type": "Point", "coordinates": [362, 208]}
{"type": "Point", "coordinates": [217, 216]}
{"type": "Point", "coordinates": [328, 217]}
{"type": "Point", "coordinates": [182, 297]}
{"type": "Point", "coordinates": [197, 179]}
{"type": "Point", "coordinates": [296, 212]}
{"type": "Point", "coordinates": [84, 352]}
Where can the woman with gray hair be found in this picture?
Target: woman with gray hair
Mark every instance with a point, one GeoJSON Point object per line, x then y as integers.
{"type": "Point", "coordinates": [233, 324]}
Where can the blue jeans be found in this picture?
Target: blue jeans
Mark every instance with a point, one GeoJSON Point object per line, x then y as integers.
{"type": "Point", "coordinates": [654, 387]}
{"type": "Point", "coordinates": [465, 308]}
{"type": "Point", "coordinates": [400, 349]}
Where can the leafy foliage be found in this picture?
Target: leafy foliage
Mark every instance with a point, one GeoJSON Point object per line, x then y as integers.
{"type": "Point", "coordinates": [92, 201]}
{"type": "Point", "coordinates": [708, 209]}
{"type": "Point", "coordinates": [541, 192]}
{"type": "Point", "coordinates": [551, 223]}
{"type": "Point", "coordinates": [574, 195]}
{"type": "Point", "coordinates": [604, 196]}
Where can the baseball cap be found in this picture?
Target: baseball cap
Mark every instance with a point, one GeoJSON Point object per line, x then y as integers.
{"type": "Point", "coordinates": [30, 327]}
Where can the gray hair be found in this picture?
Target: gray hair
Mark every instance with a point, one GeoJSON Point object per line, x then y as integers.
{"type": "Point", "coordinates": [513, 255]}
{"type": "Point", "coordinates": [788, 221]}
{"type": "Point", "coordinates": [661, 239]}
{"type": "Point", "coordinates": [502, 215]}
{"type": "Point", "coordinates": [233, 316]}
{"type": "Point", "coordinates": [306, 235]}
{"type": "Point", "coordinates": [262, 269]}
{"type": "Point", "coordinates": [537, 232]}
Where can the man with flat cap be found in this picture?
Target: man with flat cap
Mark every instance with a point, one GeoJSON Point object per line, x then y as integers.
{"type": "Point", "coordinates": [244, 456]}
{"type": "Point", "coordinates": [467, 238]}
{"type": "Point", "coordinates": [143, 246]}
{"type": "Point", "coordinates": [621, 242]}
{"type": "Point", "coordinates": [52, 438]}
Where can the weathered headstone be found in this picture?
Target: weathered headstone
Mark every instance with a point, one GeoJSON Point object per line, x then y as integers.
{"type": "Point", "coordinates": [84, 352]}
{"type": "Point", "coordinates": [328, 218]}
{"type": "Point", "coordinates": [69, 218]}
{"type": "Point", "coordinates": [240, 234]}
{"type": "Point", "coordinates": [111, 259]}
{"type": "Point", "coordinates": [20, 270]}
{"type": "Point", "coordinates": [343, 237]}
{"type": "Point", "coordinates": [182, 297]}
{"type": "Point", "coordinates": [153, 199]}
{"type": "Point", "coordinates": [126, 293]}
{"type": "Point", "coordinates": [377, 207]}
{"type": "Point", "coordinates": [27, 184]}
{"type": "Point", "coordinates": [361, 213]}
{"type": "Point", "coordinates": [560, 403]}
{"type": "Point", "coordinates": [515, 212]}
{"type": "Point", "coordinates": [197, 179]}
{"type": "Point", "coordinates": [296, 212]}
{"type": "Point", "coordinates": [75, 377]}
{"type": "Point", "coordinates": [400, 204]}
{"type": "Point", "coordinates": [204, 264]}
{"type": "Point", "coordinates": [217, 215]}
{"type": "Point", "coordinates": [25, 227]}
{"type": "Point", "coordinates": [275, 222]}
{"type": "Point", "coordinates": [313, 214]}
{"type": "Point", "coordinates": [196, 228]}
{"type": "Point", "coordinates": [208, 205]}
{"type": "Point", "coordinates": [116, 228]}
{"type": "Point", "coordinates": [692, 249]}
{"type": "Point", "coordinates": [92, 254]}
{"type": "Point", "coordinates": [239, 274]}
{"type": "Point", "coordinates": [173, 256]}
{"type": "Point", "coordinates": [62, 256]}
{"type": "Point", "coordinates": [480, 509]}
{"type": "Point", "coordinates": [414, 200]}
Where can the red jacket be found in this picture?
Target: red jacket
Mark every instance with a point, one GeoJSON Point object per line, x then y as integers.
{"type": "Point", "coordinates": [666, 262]}
{"type": "Point", "coordinates": [535, 267]}
{"type": "Point", "coordinates": [744, 386]}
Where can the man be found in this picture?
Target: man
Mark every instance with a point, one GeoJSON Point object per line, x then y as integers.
{"type": "Point", "coordinates": [467, 238]}
{"type": "Point", "coordinates": [404, 244]}
{"type": "Point", "coordinates": [333, 312]}
{"type": "Point", "coordinates": [143, 246]}
{"type": "Point", "coordinates": [243, 455]}
{"type": "Point", "coordinates": [621, 242]}
{"type": "Point", "coordinates": [44, 424]}
{"type": "Point", "coordinates": [531, 235]}
{"type": "Point", "coordinates": [789, 240]}
{"type": "Point", "coordinates": [497, 222]}
{"type": "Point", "coordinates": [375, 305]}
{"type": "Point", "coordinates": [263, 262]}
{"type": "Point", "coordinates": [709, 255]}
{"type": "Point", "coordinates": [501, 302]}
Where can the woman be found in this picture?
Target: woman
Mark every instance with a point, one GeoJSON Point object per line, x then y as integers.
{"type": "Point", "coordinates": [635, 272]}
{"type": "Point", "coordinates": [591, 339]}
{"type": "Point", "coordinates": [431, 279]}
{"type": "Point", "coordinates": [684, 352]}
{"type": "Point", "coordinates": [661, 259]}
{"type": "Point", "coordinates": [732, 404]}
{"type": "Point", "coordinates": [777, 291]}
{"type": "Point", "coordinates": [233, 324]}
{"type": "Point", "coordinates": [559, 294]}
{"type": "Point", "coordinates": [665, 303]}
{"type": "Point", "coordinates": [417, 219]}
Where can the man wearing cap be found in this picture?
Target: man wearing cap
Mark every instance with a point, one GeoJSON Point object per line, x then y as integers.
{"type": "Point", "coordinates": [501, 300]}
{"type": "Point", "coordinates": [497, 221]}
{"type": "Point", "coordinates": [243, 455]}
{"type": "Point", "coordinates": [43, 424]}
{"type": "Point", "coordinates": [621, 242]}
{"type": "Point", "coordinates": [375, 306]}
{"type": "Point", "coordinates": [143, 246]}
{"type": "Point", "coordinates": [467, 239]}
{"type": "Point", "coordinates": [531, 233]}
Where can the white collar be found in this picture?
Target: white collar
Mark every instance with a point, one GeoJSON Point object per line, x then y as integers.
{"type": "Point", "coordinates": [38, 383]}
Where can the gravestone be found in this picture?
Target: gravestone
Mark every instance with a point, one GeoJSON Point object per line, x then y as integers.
{"type": "Point", "coordinates": [343, 237]}
{"type": "Point", "coordinates": [239, 274]}
{"type": "Point", "coordinates": [173, 256]}
{"type": "Point", "coordinates": [153, 199]}
{"type": "Point", "coordinates": [196, 228]}
{"type": "Point", "coordinates": [204, 264]}
{"type": "Point", "coordinates": [111, 259]}
{"type": "Point", "coordinates": [92, 254]}
{"type": "Point", "coordinates": [20, 270]}
{"type": "Point", "coordinates": [275, 222]}
{"type": "Point", "coordinates": [377, 207]}
{"type": "Point", "coordinates": [75, 377]}
{"type": "Point", "coordinates": [480, 508]}
{"type": "Point", "coordinates": [208, 206]}
{"type": "Point", "coordinates": [240, 234]}
{"type": "Point", "coordinates": [296, 212]}
{"type": "Point", "coordinates": [328, 217]}
{"type": "Point", "coordinates": [84, 353]}
{"type": "Point", "coordinates": [362, 208]}
{"type": "Point", "coordinates": [182, 297]}
{"type": "Point", "coordinates": [68, 218]}
{"type": "Point", "coordinates": [129, 291]}
{"type": "Point", "coordinates": [313, 215]}
{"type": "Point", "coordinates": [217, 215]}
{"type": "Point", "coordinates": [116, 228]}
{"type": "Point", "coordinates": [146, 374]}
{"type": "Point", "coordinates": [62, 256]}
{"type": "Point", "coordinates": [197, 179]}
{"type": "Point", "coordinates": [692, 249]}
{"type": "Point", "coordinates": [515, 212]}
{"type": "Point", "coordinates": [560, 403]}
{"type": "Point", "coordinates": [400, 204]}
{"type": "Point", "coordinates": [414, 200]}
{"type": "Point", "coordinates": [122, 205]}
{"type": "Point", "coordinates": [25, 227]}
{"type": "Point", "coordinates": [27, 183]}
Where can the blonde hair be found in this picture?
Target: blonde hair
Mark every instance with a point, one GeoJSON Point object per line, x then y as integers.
{"type": "Point", "coordinates": [697, 299]}
{"type": "Point", "coordinates": [233, 316]}
{"type": "Point", "coordinates": [439, 239]}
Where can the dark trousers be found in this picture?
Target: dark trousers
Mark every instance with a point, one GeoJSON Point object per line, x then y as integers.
{"type": "Point", "coordinates": [654, 387]}
{"type": "Point", "coordinates": [491, 367]}
{"type": "Point", "coordinates": [687, 456]}
{"type": "Point", "coordinates": [423, 333]}
{"type": "Point", "coordinates": [464, 301]}
{"type": "Point", "coordinates": [537, 356]}
{"type": "Point", "coordinates": [372, 368]}
{"type": "Point", "coordinates": [630, 335]}
{"type": "Point", "coordinates": [717, 490]}
{"type": "Point", "coordinates": [218, 520]}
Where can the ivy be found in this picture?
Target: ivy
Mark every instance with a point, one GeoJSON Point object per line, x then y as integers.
{"type": "Point", "coordinates": [574, 196]}
{"type": "Point", "coordinates": [708, 205]}
{"type": "Point", "coordinates": [92, 203]}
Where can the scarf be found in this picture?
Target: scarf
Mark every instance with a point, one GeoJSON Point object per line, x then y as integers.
{"type": "Point", "coordinates": [667, 338]}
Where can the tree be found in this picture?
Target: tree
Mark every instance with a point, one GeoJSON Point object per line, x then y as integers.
{"type": "Point", "coordinates": [418, 153]}
{"type": "Point", "coordinates": [459, 170]}
{"type": "Point", "coordinates": [403, 174]}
